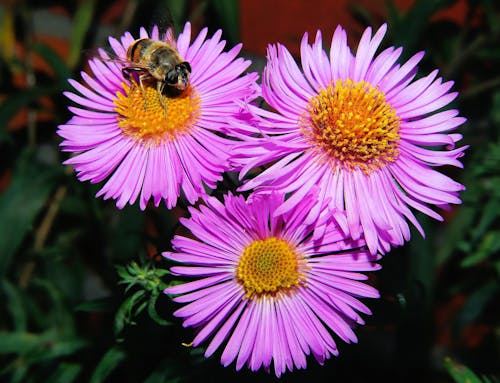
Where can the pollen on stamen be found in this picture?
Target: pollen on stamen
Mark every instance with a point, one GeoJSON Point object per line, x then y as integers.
{"type": "Point", "coordinates": [353, 126]}
{"type": "Point", "coordinates": [142, 115]}
{"type": "Point", "coordinates": [269, 267]}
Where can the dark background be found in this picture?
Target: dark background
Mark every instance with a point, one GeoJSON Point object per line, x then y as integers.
{"type": "Point", "coordinates": [80, 281]}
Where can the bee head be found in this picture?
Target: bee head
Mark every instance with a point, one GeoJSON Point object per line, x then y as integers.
{"type": "Point", "coordinates": [178, 77]}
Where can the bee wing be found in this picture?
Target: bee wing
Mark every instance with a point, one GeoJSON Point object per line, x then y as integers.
{"type": "Point", "coordinates": [103, 54]}
{"type": "Point", "coordinates": [162, 31]}
{"type": "Point", "coordinates": [117, 60]}
{"type": "Point", "coordinates": [106, 56]}
{"type": "Point", "coordinates": [169, 37]}
{"type": "Point", "coordinates": [121, 63]}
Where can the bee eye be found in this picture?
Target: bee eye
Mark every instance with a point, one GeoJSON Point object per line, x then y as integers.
{"type": "Point", "coordinates": [172, 77]}
{"type": "Point", "coordinates": [185, 65]}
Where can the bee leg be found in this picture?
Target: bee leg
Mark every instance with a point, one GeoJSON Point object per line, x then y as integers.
{"type": "Point", "coordinates": [127, 76]}
{"type": "Point", "coordinates": [159, 88]}
{"type": "Point", "coordinates": [126, 73]}
{"type": "Point", "coordinates": [141, 85]}
{"type": "Point", "coordinates": [134, 75]}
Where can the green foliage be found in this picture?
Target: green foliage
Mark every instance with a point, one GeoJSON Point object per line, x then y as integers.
{"type": "Point", "coordinates": [227, 12]}
{"type": "Point", "coordinates": [37, 339]}
{"type": "Point", "coordinates": [463, 374]}
{"type": "Point", "coordinates": [81, 283]}
{"type": "Point", "coordinates": [108, 363]}
{"type": "Point", "coordinates": [31, 184]}
{"type": "Point", "coordinates": [81, 25]}
{"type": "Point", "coordinates": [150, 283]}
{"type": "Point", "coordinates": [408, 27]}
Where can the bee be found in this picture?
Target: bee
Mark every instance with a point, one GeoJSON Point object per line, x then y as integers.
{"type": "Point", "coordinates": [152, 61]}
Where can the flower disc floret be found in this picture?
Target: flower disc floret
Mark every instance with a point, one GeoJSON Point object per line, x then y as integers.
{"type": "Point", "coordinates": [351, 124]}
{"type": "Point", "coordinates": [151, 121]}
{"type": "Point", "coordinates": [267, 267]}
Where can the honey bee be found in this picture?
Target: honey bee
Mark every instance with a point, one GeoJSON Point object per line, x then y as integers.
{"type": "Point", "coordinates": [152, 61]}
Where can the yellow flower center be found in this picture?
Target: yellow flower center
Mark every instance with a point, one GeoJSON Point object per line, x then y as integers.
{"type": "Point", "coordinates": [149, 119]}
{"type": "Point", "coordinates": [352, 124]}
{"type": "Point", "coordinates": [268, 267]}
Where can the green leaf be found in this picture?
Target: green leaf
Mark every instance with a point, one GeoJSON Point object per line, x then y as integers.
{"type": "Point", "coordinates": [475, 304]}
{"type": "Point", "coordinates": [228, 14]}
{"type": "Point", "coordinates": [15, 305]}
{"type": "Point", "coordinates": [59, 315]}
{"type": "Point", "coordinates": [125, 312]}
{"type": "Point", "coordinates": [146, 275]}
{"type": "Point", "coordinates": [408, 28]}
{"type": "Point", "coordinates": [65, 373]}
{"type": "Point", "coordinates": [454, 232]}
{"type": "Point", "coordinates": [108, 363]}
{"type": "Point", "coordinates": [490, 213]}
{"type": "Point", "coordinates": [30, 187]}
{"type": "Point", "coordinates": [488, 247]}
{"type": "Point", "coordinates": [164, 373]}
{"type": "Point", "coordinates": [422, 262]}
{"type": "Point", "coordinates": [177, 10]}
{"type": "Point", "coordinates": [461, 373]}
{"type": "Point", "coordinates": [496, 265]}
{"type": "Point", "coordinates": [31, 349]}
{"type": "Point", "coordinates": [57, 348]}
{"type": "Point", "coordinates": [19, 374]}
{"type": "Point", "coordinates": [127, 229]}
{"type": "Point", "coordinates": [54, 61]}
{"type": "Point", "coordinates": [19, 342]}
{"type": "Point", "coordinates": [81, 24]}
{"type": "Point", "coordinates": [106, 304]}
{"type": "Point", "coordinates": [152, 311]}
{"type": "Point", "coordinates": [490, 9]}
{"type": "Point", "coordinates": [65, 272]}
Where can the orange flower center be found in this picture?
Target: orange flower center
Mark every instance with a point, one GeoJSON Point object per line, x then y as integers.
{"type": "Point", "coordinates": [152, 118]}
{"type": "Point", "coordinates": [268, 267]}
{"type": "Point", "coordinates": [353, 126]}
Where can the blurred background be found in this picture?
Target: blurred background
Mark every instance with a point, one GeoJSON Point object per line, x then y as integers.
{"type": "Point", "coordinates": [80, 281]}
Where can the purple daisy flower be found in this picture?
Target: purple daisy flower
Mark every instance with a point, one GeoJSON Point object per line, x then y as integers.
{"type": "Point", "coordinates": [146, 143]}
{"type": "Point", "coordinates": [359, 128]}
{"type": "Point", "coordinates": [265, 287]}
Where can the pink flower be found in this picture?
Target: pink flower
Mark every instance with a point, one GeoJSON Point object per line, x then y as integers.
{"type": "Point", "coordinates": [359, 127]}
{"type": "Point", "coordinates": [264, 286]}
{"type": "Point", "coordinates": [156, 146]}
